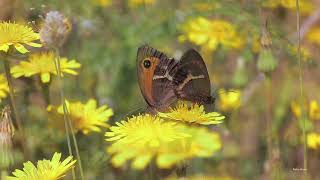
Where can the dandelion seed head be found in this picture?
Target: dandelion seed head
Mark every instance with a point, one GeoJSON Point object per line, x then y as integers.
{"type": "Point", "coordinates": [54, 30]}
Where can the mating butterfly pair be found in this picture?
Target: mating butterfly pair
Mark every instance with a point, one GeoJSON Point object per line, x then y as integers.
{"type": "Point", "coordinates": [165, 80]}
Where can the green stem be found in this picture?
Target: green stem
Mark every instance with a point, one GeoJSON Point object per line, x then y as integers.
{"type": "Point", "coordinates": [67, 121]}
{"type": "Point", "coordinates": [13, 106]}
{"type": "Point", "coordinates": [305, 152]}
{"type": "Point", "coordinates": [45, 92]}
{"type": "Point", "coordinates": [11, 93]}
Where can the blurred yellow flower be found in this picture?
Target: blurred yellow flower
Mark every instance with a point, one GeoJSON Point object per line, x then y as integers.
{"type": "Point", "coordinates": [256, 45]}
{"type": "Point", "coordinates": [17, 35]}
{"type": "Point", "coordinates": [136, 3]}
{"type": "Point", "coordinates": [305, 53]}
{"type": "Point", "coordinates": [203, 177]}
{"type": "Point", "coordinates": [313, 36]}
{"type": "Point", "coordinates": [314, 110]}
{"type": "Point", "coordinates": [192, 114]}
{"type": "Point", "coordinates": [4, 88]}
{"type": "Point", "coordinates": [145, 137]}
{"type": "Point", "coordinates": [296, 109]}
{"type": "Point", "coordinates": [211, 33]}
{"type": "Point", "coordinates": [306, 6]}
{"type": "Point", "coordinates": [229, 100]}
{"type": "Point", "coordinates": [52, 169]}
{"type": "Point", "coordinates": [206, 6]}
{"type": "Point", "coordinates": [103, 3]}
{"type": "Point", "coordinates": [313, 140]}
{"type": "Point", "coordinates": [84, 117]}
{"type": "Point", "coordinates": [43, 64]}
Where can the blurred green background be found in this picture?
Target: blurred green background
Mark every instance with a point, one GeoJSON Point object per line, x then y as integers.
{"type": "Point", "coordinates": [256, 53]}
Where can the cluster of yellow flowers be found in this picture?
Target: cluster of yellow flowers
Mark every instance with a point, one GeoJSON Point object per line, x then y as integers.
{"type": "Point", "coordinates": [313, 109]}
{"type": "Point", "coordinates": [211, 33]}
{"type": "Point", "coordinates": [169, 138]}
{"type": "Point", "coordinates": [46, 169]}
{"type": "Point", "coordinates": [84, 117]}
{"type": "Point", "coordinates": [306, 6]}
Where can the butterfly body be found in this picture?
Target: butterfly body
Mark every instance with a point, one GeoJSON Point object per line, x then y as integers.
{"type": "Point", "coordinates": [165, 80]}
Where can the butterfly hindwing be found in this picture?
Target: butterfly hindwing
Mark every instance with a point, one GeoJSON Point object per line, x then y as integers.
{"type": "Point", "coordinates": [192, 79]}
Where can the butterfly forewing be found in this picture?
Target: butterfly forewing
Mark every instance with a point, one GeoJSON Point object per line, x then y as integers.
{"type": "Point", "coordinates": [155, 83]}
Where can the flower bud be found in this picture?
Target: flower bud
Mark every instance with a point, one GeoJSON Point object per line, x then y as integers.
{"type": "Point", "coordinates": [6, 134]}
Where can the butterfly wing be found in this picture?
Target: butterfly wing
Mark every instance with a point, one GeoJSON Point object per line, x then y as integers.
{"type": "Point", "coordinates": [192, 79]}
{"type": "Point", "coordinates": [155, 76]}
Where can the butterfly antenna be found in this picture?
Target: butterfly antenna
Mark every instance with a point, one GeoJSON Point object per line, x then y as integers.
{"type": "Point", "coordinates": [132, 112]}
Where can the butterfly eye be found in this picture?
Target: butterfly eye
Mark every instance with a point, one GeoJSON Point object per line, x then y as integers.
{"type": "Point", "coordinates": [147, 63]}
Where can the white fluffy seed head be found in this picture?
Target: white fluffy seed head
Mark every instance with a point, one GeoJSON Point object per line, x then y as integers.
{"type": "Point", "coordinates": [54, 30]}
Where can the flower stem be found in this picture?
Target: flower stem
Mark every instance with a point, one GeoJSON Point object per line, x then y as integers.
{"type": "Point", "coordinates": [305, 152]}
{"type": "Point", "coordinates": [13, 105]}
{"type": "Point", "coordinates": [66, 118]}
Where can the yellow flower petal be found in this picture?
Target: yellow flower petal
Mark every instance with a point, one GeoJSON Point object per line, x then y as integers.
{"type": "Point", "coordinates": [43, 64]}
{"type": "Point", "coordinates": [4, 47]}
{"type": "Point", "coordinates": [45, 169]}
{"type": "Point", "coordinates": [85, 117]}
{"type": "Point", "coordinates": [20, 48]}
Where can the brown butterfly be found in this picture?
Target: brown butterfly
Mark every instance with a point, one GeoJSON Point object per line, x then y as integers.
{"type": "Point", "coordinates": [165, 80]}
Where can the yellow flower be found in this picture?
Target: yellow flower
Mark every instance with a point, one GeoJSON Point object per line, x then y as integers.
{"type": "Point", "coordinates": [84, 117]}
{"type": "Point", "coordinates": [305, 53]}
{"type": "Point", "coordinates": [313, 140]}
{"type": "Point", "coordinates": [296, 109]}
{"type": "Point", "coordinates": [43, 64]}
{"type": "Point", "coordinates": [136, 3]}
{"type": "Point", "coordinates": [229, 100]}
{"type": "Point", "coordinates": [194, 114]}
{"type": "Point", "coordinates": [306, 6]}
{"type": "Point", "coordinates": [206, 6]}
{"type": "Point", "coordinates": [103, 3]}
{"type": "Point", "coordinates": [203, 177]}
{"type": "Point", "coordinates": [17, 35]}
{"type": "Point", "coordinates": [314, 36]}
{"type": "Point", "coordinates": [145, 137]}
{"type": "Point", "coordinates": [52, 169]}
{"type": "Point", "coordinates": [4, 88]}
{"type": "Point", "coordinates": [211, 33]}
{"type": "Point", "coordinates": [314, 110]}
